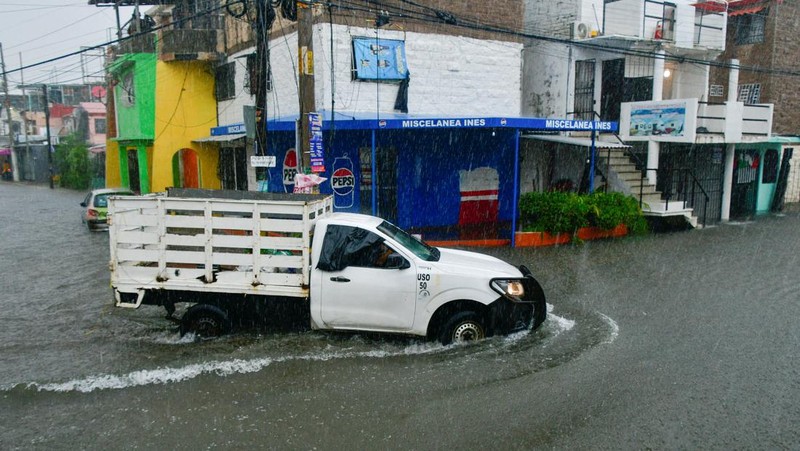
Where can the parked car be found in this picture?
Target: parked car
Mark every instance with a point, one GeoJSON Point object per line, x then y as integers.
{"type": "Point", "coordinates": [96, 206]}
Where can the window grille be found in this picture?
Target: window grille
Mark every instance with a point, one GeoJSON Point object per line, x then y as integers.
{"type": "Point", "coordinates": [584, 90]}
{"type": "Point", "coordinates": [225, 81]}
{"type": "Point", "coordinates": [750, 28]}
{"type": "Point", "coordinates": [254, 75]}
{"type": "Point", "coordinates": [716, 91]}
{"type": "Point", "coordinates": [750, 93]}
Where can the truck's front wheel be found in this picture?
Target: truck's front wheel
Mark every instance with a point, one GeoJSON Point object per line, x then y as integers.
{"type": "Point", "coordinates": [205, 321]}
{"type": "Point", "coordinates": [463, 327]}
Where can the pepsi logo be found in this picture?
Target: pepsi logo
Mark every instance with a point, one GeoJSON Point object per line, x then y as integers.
{"type": "Point", "coordinates": [343, 181]}
{"type": "Point", "coordinates": [289, 167]}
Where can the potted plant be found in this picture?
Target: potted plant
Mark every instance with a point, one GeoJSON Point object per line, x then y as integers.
{"type": "Point", "coordinates": [556, 217]}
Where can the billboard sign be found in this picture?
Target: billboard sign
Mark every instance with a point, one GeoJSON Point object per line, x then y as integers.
{"type": "Point", "coordinates": [665, 121]}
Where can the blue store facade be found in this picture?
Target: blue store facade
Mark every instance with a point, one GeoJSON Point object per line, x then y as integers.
{"type": "Point", "coordinates": [453, 178]}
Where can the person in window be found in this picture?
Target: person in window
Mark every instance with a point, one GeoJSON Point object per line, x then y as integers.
{"type": "Point", "coordinates": [374, 256]}
{"type": "Point", "coordinates": [381, 255]}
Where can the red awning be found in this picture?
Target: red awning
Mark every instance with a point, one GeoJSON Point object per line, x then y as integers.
{"type": "Point", "coordinates": [711, 6]}
{"type": "Point", "coordinates": [5, 151]}
{"type": "Point", "coordinates": [743, 11]}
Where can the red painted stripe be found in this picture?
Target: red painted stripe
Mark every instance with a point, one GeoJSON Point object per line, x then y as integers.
{"type": "Point", "coordinates": [479, 193]}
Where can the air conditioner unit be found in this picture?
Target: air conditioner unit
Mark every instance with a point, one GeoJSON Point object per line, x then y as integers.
{"type": "Point", "coordinates": [580, 30]}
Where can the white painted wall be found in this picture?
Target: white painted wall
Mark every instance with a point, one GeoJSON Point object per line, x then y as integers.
{"type": "Point", "coordinates": [450, 75]}
{"type": "Point", "coordinates": [624, 18]}
{"type": "Point", "coordinates": [547, 80]}
{"type": "Point", "coordinates": [230, 111]}
{"type": "Point", "coordinates": [688, 81]}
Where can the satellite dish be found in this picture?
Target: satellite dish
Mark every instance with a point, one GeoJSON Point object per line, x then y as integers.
{"type": "Point", "coordinates": [98, 92]}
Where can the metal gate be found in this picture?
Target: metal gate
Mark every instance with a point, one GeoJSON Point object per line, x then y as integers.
{"type": "Point", "coordinates": [584, 90]}
{"type": "Point", "coordinates": [681, 164]}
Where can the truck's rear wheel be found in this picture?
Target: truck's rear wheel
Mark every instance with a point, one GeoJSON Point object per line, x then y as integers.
{"type": "Point", "coordinates": [463, 327]}
{"type": "Point", "coordinates": [205, 321]}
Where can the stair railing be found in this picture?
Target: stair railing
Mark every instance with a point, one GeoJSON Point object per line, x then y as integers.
{"type": "Point", "coordinates": [688, 181]}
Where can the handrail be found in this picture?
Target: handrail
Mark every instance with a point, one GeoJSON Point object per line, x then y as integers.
{"type": "Point", "coordinates": [642, 166]}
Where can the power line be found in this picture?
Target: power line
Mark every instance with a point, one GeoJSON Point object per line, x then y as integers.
{"type": "Point", "coordinates": [116, 41]}
{"type": "Point", "coordinates": [445, 18]}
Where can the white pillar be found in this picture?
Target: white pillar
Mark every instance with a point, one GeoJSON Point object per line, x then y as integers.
{"type": "Point", "coordinates": [733, 81]}
{"type": "Point", "coordinates": [658, 76]}
{"type": "Point", "coordinates": [727, 183]}
{"type": "Point", "coordinates": [654, 147]}
{"type": "Point", "coordinates": [14, 163]}
{"type": "Point", "coordinates": [730, 149]}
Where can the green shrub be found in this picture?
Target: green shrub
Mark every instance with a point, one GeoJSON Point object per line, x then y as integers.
{"type": "Point", "coordinates": [71, 161]}
{"type": "Point", "coordinates": [558, 212]}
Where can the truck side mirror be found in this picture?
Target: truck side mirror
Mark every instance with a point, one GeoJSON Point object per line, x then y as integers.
{"type": "Point", "coordinates": [396, 261]}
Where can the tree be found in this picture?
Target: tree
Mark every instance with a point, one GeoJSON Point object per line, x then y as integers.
{"type": "Point", "coordinates": [71, 160]}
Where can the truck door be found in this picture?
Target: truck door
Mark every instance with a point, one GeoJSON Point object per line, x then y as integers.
{"type": "Point", "coordinates": [361, 291]}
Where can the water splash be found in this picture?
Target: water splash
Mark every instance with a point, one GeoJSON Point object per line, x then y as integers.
{"type": "Point", "coordinates": [167, 375]}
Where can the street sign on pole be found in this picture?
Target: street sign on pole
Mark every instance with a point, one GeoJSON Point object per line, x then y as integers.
{"type": "Point", "coordinates": [263, 161]}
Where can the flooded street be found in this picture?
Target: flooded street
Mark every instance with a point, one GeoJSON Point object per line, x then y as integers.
{"type": "Point", "coordinates": [685, 340]}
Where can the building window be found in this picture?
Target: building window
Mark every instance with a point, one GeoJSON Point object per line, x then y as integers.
{"type": "Point", "coordinates": [254, 75]}
{"type": "Point", "coordinates": [716, 91]}
{"type": "Point", "coordinates": [225, 81]}
{"type": "Point", "coordinates": [750, 93]}
{"type": "Point", "coordinates": [750, 28]}
{"type": "Point", "coordinates": [128, 91]}
{"type": "Point", "coordinates": [100, 126]}
{"type": "Point", "coordinates": [584, 90]}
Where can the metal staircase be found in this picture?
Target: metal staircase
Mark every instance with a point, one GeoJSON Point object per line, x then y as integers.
{"type": "Point", "coordinates": [622, 171]}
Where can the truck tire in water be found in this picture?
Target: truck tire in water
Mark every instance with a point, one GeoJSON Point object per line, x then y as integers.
{"type": "Point", "coordinates": [205, 321]}
{"type": "Point", "coordinates": [539, 312]}
{"type": "Point", "coordinates": [463, 327]}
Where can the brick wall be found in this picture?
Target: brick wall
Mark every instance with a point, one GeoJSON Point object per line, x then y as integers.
{"type": "Point", "coordinates": [553, 18]}
{"type": "Point", "coordinates": [780, 51]}
{"type": "Point", "coordinates": [473, 19]}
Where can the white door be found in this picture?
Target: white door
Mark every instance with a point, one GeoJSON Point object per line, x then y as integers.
{"type": "Point", "coordinates": [367, 295]}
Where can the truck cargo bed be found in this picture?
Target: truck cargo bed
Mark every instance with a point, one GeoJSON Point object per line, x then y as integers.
{"type": "Point", "coordinates": [214, 241]}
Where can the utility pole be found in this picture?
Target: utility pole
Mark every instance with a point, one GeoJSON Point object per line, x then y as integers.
{"type": "Point", "coordinates": [305, 44]}
{"type": "Point", "coordinates": [25, 121]}
{"type": "Point", "coordinates": [47, 125]}
{"type": "Point", "coordinates": [14, 169]}
{"type": "Point", "coordinates": [265, 15]}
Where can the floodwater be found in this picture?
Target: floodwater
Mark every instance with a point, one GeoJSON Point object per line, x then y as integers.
{"type": "Point", "coordinates": [76, 372]}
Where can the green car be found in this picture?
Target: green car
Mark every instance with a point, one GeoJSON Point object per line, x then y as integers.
{"type": "Point", "coordinates": [96, 206]}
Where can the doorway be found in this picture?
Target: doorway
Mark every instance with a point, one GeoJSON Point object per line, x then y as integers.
{"type": "Point", "coordinates": [133, 171]}
{"type": "Point", "coordinates": [745, 183]}
{"type": "Point", "coordinates": [186, 169]}
{"type": "Point", "coordinates": [386, 182]}
{"type": "Point", "coordinates": [233, 168]}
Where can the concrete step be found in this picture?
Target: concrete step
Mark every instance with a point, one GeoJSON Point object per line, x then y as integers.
{"type": "Point", "coordinates": [620, 167]}
{"type": "Point", "coordinates": [616, 159]}
{"type": "Point", "coordinates": [650, 198]}
{"type": "Point", "coordinates": [668, 209]}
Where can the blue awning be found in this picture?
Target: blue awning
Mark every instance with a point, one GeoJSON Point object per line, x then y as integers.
{"type": "Point", "coordinates": [399, 121]}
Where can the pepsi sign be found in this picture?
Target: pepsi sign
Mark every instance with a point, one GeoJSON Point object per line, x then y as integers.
{"type": "Point", "coordinates": [343, 181]}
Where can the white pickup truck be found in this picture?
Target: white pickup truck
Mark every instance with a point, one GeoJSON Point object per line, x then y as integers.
{"type": "Point", "coordinates": [242, 257]}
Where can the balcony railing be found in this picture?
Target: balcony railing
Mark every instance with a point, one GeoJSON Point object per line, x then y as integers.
{"type": "Point", "coordinates": [735, 121]}
{"type": "Point", "coordinates": [664, 21]}
{"type": "Point", "coordinates": [188, 42]}
{"type": "Point", "coordinates": [145, 43]}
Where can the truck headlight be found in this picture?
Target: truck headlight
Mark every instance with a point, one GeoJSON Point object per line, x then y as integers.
{"type": "Point", "coordinates": [509, 288]}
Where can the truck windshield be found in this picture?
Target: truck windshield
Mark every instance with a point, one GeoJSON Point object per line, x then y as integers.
{"type": "Point", "coordinates": [420, 249]}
